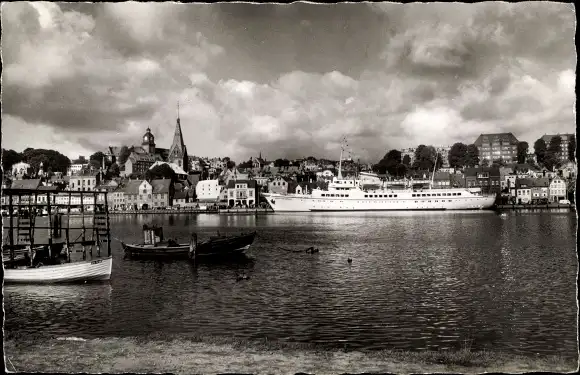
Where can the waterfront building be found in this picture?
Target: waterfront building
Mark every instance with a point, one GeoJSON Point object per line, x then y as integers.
{"type": "Point", "coordinates": [208, 191]}
{"type": "Point", "coordinates": [442, 180]}
{"type": "Point", "coordinates": [523, 190]}
{"type": "Point", "coordinates": [242, 193]}
{"type": "Point", "coordinates": [540, 190]}
{"type": "Point", "coordinates": [279, 185]}
{"type": "Point", "coordinates": [557, 189]}
{"type": "Point", "coordinates": [181, 198]}
{"type": "Point", "coordinates": [118, 198]}
{"type": "Point", "coordinates": [487, 178]}
{"type": "Point", "coordinates": [497, 146]}
{"type": "Point", "coordinates": [565, 142]}
{"type": "Point", "coordinates": [143, 194]}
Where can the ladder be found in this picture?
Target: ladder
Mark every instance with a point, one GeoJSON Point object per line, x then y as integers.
{"type": "Point", "coordinates": [100, 230]}
{"type": "Point", "coordinates": [25, 229]}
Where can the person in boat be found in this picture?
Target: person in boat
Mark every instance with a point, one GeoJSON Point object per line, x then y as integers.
{"type": "Point", "coordinates": [172, 243]}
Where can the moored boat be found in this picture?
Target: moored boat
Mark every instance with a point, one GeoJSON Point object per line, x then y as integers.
{"type": "Point", "coordinates": [352, 194]}
{"type": "Point", "coordinates": [38, 253]}
{"type": "Point", "coordinates": [156, 246]}
{"type": "Point", "coordinates": [221, 246]}
{"type": "Point", "coordinates": [88, 270]}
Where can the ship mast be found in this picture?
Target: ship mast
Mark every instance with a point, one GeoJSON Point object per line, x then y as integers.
{"type": "Point", "coordinates": [433, 175]}
{"type": "Point", "coordinates": [340, 161]}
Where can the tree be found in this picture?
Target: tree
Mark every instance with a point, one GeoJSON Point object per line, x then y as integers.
{"type": "Point", "coordinates": [555, 146]}
{"type": "Point", "coordinates": [9, 158]}
{"type": "Point", "coordinates": [114, 171]}
{"type": "Point", "coordinates": [124, 154]}
{"type": "Point", "coordinates": [424, 157]}
{"type": "Point", "coordinates": [401, 170]}
{"type": "Point", "coordinates": [457, 155]}
{"type": "Point", "coordinates": [485, 163]}
{"type": "Point", "coordinates": [52, 159]}
{"type": "Point", "coordinates": [522, 152]}
{"type": "Point", "coordinates": [572, 148]}
{"type": "Point", "coordinates": [246, 164]}
{"type": "Point", "coordinates": [230, 164]}
{"type": "Point", "coordinates": [551, 161]}
{"type": "Point", "coordinates": [471, 156]}
{"type": "Point", "coordinates": [391, 162]}
{"type": "Point", "coordinates": [407, 161]}
{"type": "Point", "coordinates": [540, 150]}
{"type": "Point", "coordinates": [161, 171]}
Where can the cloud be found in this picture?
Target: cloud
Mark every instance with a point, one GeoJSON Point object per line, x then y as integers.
{"type": "Point", "coordinates": [285, 80]}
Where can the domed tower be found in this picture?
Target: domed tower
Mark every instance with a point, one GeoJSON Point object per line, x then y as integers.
{"type": "Point", "coordinates": [148, 142]}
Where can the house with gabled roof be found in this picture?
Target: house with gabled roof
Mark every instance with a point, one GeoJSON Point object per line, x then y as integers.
{"type": "Point", "coordinates": [242, 193]}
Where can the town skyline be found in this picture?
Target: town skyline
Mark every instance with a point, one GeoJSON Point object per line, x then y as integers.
{"type": "Point", "coordinates": [433, 74]}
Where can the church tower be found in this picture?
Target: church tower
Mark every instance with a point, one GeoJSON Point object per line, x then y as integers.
{"type": "Point", "coordinates": [148, 143]}
{"type": "Point", "coordinates": [178, 151]}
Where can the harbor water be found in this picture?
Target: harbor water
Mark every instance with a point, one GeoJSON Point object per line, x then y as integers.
{"type": "Point", "coordinates": [417, 281]}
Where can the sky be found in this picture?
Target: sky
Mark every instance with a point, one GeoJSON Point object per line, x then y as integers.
{"type": "Point", "coordinates": [288, 81]}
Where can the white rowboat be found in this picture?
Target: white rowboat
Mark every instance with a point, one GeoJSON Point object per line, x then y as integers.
{"type": "Point", "coordinates": [88, 270]}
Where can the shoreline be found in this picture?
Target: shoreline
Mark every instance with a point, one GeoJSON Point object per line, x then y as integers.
{"type": "Point", "coordinates": [220, 355]}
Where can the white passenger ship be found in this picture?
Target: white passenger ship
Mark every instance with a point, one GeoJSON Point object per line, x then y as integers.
{"type": "Point", "coordinates": [352, 195]}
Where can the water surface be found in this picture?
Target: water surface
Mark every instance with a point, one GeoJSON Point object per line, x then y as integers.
{"type": "Point", "coordinates": [417, 281]}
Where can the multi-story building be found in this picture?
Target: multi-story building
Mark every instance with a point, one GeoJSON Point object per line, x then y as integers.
{"type": "Point", "coordinates": [279, 185]}
{"type": "Point", "coordinates": [540, 190]}
{"type": "Point", "coordinates": [84, 180]}
{"type": "Point", "coordinates": [242, 193]}
{"type": "Point", "coordinates": [502, 146]}
{"type": "Point", "coordinates": [208, 191]}
{"type": "Point", "coordinates": [565, 142]}
{"type": "Point", "coordinates": [557, 189]}
{"type": "Point", "coordinates": [486, 178]}
{"type": "Point", "coordinates": [143, 194]}
{"type": "Point", "coordinates": [523, 190]}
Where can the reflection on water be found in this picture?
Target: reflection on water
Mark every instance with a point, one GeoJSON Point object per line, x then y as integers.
{"type": "Point", "coordinates": [417, 281]}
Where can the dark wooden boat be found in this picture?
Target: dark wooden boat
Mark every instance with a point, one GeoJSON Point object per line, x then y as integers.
{"type": "Point", "coordinates": [155, 245]}
{"type": "Point", "coordinates": [221, 246]}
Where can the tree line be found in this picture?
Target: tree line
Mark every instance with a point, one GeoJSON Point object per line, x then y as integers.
{"type": "Point", "coordinates": [461, 155]}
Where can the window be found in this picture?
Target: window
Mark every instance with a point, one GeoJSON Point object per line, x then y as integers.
{"type": "Point", "coordinates": [366, 196]}
{"type": "Point", "coordinates": [149, 196]}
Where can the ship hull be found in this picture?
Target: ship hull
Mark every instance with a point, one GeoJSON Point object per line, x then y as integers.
{"type": "Point", "coordinates": [303, 203]}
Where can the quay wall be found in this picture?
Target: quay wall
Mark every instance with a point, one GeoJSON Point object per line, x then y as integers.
{"type": "Point", "coordinates": [549, 206]}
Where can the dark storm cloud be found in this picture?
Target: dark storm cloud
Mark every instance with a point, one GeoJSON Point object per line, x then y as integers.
{"type": "Point", "coordinates": [289, 80]}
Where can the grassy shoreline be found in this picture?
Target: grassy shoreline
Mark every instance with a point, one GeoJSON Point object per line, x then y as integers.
{"type": "Point", "coordinates": [217, 355]}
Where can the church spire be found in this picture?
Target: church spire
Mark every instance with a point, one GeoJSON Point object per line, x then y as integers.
{"type": "Point", "coordinates": [178, 151]}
